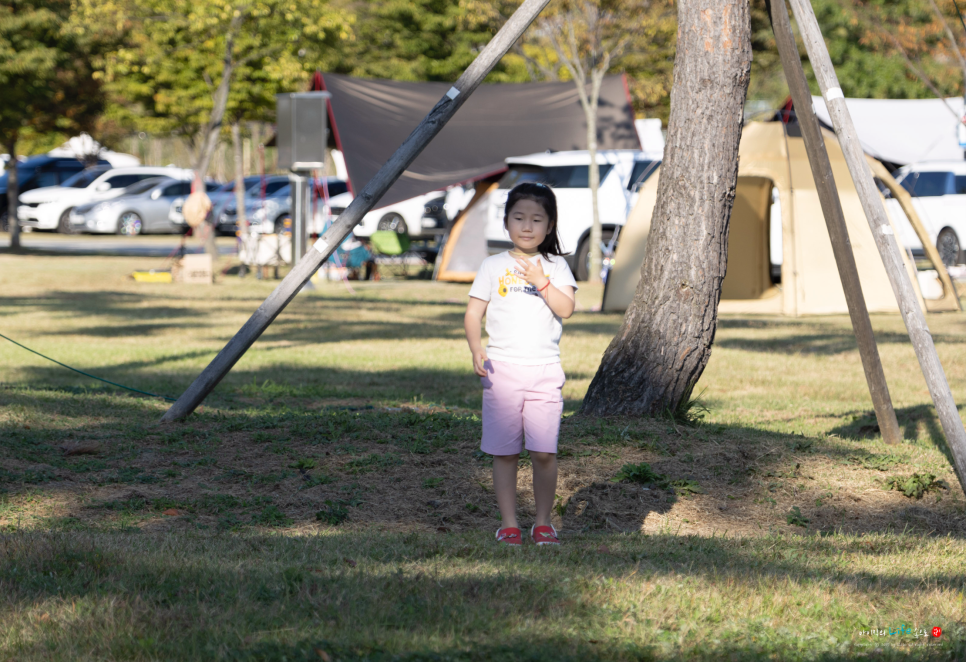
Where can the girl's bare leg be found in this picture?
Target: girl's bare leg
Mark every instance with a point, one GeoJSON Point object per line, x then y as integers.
{"type": "Point", "coordinates": [505, 486]}
{"type": "Point", "coordinates": [544, 484]}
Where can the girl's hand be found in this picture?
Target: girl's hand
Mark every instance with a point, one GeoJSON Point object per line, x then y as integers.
{"type": "Point", "coordinates": [479, 358]}
{"type": "Point", "coordinates": [532, 273]}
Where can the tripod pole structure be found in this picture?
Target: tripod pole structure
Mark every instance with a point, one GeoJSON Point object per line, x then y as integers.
{"type": "Point", "coordinates": [828, 195]}
{"type": "Point", "coordinates": [315, 256]}
{"type": "Point", "coordinates": [885, 240]}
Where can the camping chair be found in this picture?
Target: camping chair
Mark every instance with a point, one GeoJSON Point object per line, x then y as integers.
{"type": "Point", "coordinates": [393, 253]}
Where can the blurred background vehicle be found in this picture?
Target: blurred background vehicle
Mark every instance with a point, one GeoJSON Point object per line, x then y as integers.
{"type": "Point", "coordinates": [268, 214]}
{"type": "Point", "coordinates": [48, 208]}
{"type": "Point", "coordinates": [36, 172]}
{"type": "Point", "coordinates": [938, 190]}
{"type": "Point", "coordinates": [141, 208]}
{"type": "Point", "coordinates": [622, 173]}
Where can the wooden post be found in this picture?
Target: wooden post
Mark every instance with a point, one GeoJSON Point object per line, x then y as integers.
{"type": "Point", "coordinates": [421, 136]}
{"type": "Point", "coordinates": [885, 241]}
{"type": "Point", "coordinates": [835, 221]}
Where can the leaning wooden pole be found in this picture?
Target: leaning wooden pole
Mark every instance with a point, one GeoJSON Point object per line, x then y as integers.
{"type": "Point", "coordinates": [828, 195]}
{"type": "Point", "coordinates": [882, 232]}
{"type": "Point", "coordinates": [421, 136]}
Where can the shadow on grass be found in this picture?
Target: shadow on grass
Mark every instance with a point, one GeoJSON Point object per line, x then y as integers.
{"type": "Point", "coordinates": [247, 443]}
{"type": "Point", "coordinates": [864, 425]}
{"type": "Point", "coordinates": [371, 596]}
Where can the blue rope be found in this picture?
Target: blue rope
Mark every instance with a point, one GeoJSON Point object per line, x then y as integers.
{"type": "Point", "coordinates": [87, 374]}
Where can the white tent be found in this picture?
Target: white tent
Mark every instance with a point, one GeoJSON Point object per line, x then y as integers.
{"type": "Point", "coordinates": [83, 145]}
{"type": "Point", "coordinates": [904, 131]}
{"type": "Point", "coordinates": [650, 134]}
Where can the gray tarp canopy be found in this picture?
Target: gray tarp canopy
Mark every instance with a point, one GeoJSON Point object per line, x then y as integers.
{"type": "Point", "coordinates": [371, 118]}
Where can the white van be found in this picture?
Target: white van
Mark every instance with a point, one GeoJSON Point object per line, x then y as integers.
{"type": "Point", "coordinates": [48, 208]}
{"type": "Point", "coordinates": [938, 190]}
{"type": "Point", "coordinates": [622, 172]}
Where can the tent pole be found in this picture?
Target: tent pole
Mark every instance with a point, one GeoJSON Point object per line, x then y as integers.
{"type": "Point", "coordinates": [882, 232]}
{"type": "Point", "coordinates": [950, 300]}
{"type": "Point", "coordinates": [835, 221]}
{"type": "Point", "coordinates": [421, 136]}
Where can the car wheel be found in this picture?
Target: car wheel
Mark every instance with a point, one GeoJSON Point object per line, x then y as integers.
{"type": "Point", "coordinates": [947, 243]}
{"type": "Point", "coordinates": [393, 222]}
{"type": "Point", "coordinates": [281, 222]}
{"type": "Point", "coordinates": [63, 225]}
{"type": "Point", "coordinates": [583, 254]}
{"type": "Point", "coordinates": [129, 224]}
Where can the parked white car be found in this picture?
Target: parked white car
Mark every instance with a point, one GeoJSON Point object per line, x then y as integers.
{"type": "Point", "coordinates": [938, 190]}
{"type": "Point", "coordinates": [409, 217]}
{"type": "Point", "coordinates": [49, 208]}
{"type": "Point", "coordinates": [622, 172]}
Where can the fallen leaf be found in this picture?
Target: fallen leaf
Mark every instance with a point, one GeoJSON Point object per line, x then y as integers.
{"type": "Point", "coordinates": [442, 529]}
{"type": "Point", "coordinates": [603, 549]}
{"type": "Point", "coordinates": [351, 563]}
{"type": "Point", "coordinates": [325, 656]}
{"type": "Point", "coordinates": [593, 641]}
{"type": "Point", "coordinates": [44, 617]}
{"type": "Point", "coordinates": [26, 427]}
{"type": "Point", "coordinates": [171, 512]}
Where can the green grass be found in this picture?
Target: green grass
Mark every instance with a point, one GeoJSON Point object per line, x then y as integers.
{"type": "Point", "coordinates": [330, 496]}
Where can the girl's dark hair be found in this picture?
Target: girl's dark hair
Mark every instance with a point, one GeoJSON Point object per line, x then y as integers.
{"type": "Point", "coordinates": [542, 195]}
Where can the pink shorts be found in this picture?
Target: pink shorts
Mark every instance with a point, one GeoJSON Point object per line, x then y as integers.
{"type": "Point", "coordinates": [521, 400]}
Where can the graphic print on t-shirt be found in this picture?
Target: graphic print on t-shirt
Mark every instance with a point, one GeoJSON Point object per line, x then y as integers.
{"type": "Point", "coordinates": [510, 282]}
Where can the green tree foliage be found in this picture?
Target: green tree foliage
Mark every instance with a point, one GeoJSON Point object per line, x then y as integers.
{"type": "Point", "coordinates": [419, 40]}
{"type": "Point", "coordinates": [46, 82]}
{"type": "Point", "coordinates": [874, 45]}
{"type": "Point", "coordinates": [178, 56]}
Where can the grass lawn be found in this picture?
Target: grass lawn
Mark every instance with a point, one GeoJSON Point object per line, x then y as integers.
{"type": "Point", "coordinates": [328, 502]}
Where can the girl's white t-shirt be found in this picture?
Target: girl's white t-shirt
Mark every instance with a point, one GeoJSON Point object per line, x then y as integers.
{"type": "Point", "coordinates": [521, 326]}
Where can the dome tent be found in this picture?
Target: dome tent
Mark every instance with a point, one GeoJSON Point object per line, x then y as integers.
{"type": "Point", "coordinates": [810, 282]}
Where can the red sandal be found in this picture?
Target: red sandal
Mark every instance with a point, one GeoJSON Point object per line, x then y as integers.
{"type": "Point", "coordinates": [544, 535]}
{"type": "Point", "coordinates": [509, 537]}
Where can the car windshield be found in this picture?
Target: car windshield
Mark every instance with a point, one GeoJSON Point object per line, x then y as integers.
{"type": "Point", "coordinates": [84, 178]}
{"type": "Point", "coordinates": [248, 182]}
{"type": "Point", "coordinates": [23, 174]}
{"type": "Point", "coordinates": [142, 186]}
{"type": "Point", "coordinates": [335, 187]}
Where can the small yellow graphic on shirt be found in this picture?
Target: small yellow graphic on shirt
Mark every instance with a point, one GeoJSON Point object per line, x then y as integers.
{"type": "Point", "coordinates": [513, 283]}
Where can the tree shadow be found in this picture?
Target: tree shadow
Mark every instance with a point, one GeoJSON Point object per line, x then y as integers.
{"type": "Point", "coordinates": [352, 594]}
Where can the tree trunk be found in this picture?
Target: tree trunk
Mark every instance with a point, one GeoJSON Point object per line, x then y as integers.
{"type": "Point", "coordinates": [13, 195]}
{"type": "Point", "coordinates": [213, 130]}
{"type": "Point", "coordinates": [239, 180]}
{"type": "Point", "coordinates": [665, 340]}
{"type": "Point", "coordinates": [593, 181]}
{"type": "Point", "coordinates": [596, 233]}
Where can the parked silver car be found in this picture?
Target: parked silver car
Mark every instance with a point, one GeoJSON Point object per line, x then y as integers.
{"type": "Point", "coordinates": [141, 208]}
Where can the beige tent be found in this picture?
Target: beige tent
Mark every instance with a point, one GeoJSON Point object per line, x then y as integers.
{"type": "Point", "coordinates": [810, 282]}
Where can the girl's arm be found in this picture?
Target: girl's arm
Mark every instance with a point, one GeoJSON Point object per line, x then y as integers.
{"type": "Point", "coordinates": [560, 299]}
{"type": "Point", "coordinates": [474, 336]}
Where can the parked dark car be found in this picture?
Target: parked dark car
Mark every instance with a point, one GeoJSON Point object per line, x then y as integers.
{"type": "Point", "coordinates": [38, 171]}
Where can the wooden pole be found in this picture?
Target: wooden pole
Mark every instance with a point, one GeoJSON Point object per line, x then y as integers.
{"type": "Point", "coordinates": [421, 136]}
{"type": "Point", "coordinates": [835, 221]}
{"type": "Point", "coordinates": [882, 232]}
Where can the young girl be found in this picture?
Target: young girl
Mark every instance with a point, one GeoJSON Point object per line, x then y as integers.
{"type": "Point", "coordinates": [524, 293]}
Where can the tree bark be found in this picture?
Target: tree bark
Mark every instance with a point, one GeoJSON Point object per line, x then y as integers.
{"type": "Point", "coordinates": [13, 195]}
{"type": "Point", "coordinates": [665, 340]}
